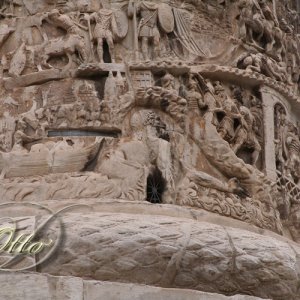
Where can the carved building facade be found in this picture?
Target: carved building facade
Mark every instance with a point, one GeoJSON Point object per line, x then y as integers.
{"type": "Point", "coordinates": [177, 122]}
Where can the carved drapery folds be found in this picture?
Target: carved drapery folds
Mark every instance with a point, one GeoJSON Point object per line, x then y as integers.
{"type": "Point", "coordinates": [145, 100]}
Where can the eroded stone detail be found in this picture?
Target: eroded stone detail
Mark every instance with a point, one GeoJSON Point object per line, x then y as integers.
{"type": "Point", "coordinates": [187, 103]}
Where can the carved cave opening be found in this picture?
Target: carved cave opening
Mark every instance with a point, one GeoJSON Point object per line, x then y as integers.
{"type": "Point", "coordinates": [156, 186]}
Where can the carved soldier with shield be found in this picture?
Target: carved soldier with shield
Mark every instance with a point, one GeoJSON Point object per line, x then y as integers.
{"type": "Point", "coordinates": [110, 26]}
{"type": "Point", "coordinates": [146, 30]}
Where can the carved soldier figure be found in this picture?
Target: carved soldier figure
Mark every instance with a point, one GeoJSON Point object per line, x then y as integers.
{"type": "Point", "coordinates": [226, 128]}
{"type": "Point", "coordinates": [293, 151]}
{"type": "Point", "coordinates": [263, 64]}
{"type": "Point", "coordinates": [219, 92]}
{"type": "Point", "coordinates": [245, 134]}
{"type": "Point", "coordinates": [168, 82]}
{"type": "Point", "coordinates": [249, 20]}
{"type": "Point", "coordinates": [103, 31]}
{"type": "Point", "coordinates": [147, 28]}
{"type": "Point", "coordinates": [62, 21]}
{"type": "Point", "coordinates": [292, 56]}
{"type": "Point", "coordinates": [193, 96]}
{"type": "Point", "coordinates": [280, 134]}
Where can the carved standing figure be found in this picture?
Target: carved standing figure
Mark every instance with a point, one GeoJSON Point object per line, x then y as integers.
{"type": "Point", "coordinates": [147, 29]}
{"type": "Point", "coordinates": [245, 134]}
{"type": "Point", "coordinates": [193, 95]}
{"type": "Point", "coordinates": [103, 31]}
{"type": "Point", "coordinates": [250, 20]}
{"type": "Point", "coordinates": [226, 128]}
{"type": "Point", "coordinates": [293, 150]}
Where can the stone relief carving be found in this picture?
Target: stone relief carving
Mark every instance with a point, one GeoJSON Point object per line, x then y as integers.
{"type": "Point", "coordinates": [131, 101]}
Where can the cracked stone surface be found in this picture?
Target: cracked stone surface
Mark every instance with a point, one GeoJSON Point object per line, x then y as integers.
{"type": "Point", "coordinates": [176, 253]}
{"type": "Point", "coordinates": [35, 286]}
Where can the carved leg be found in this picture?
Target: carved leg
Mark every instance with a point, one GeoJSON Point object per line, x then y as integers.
{"type": "Point", "coordinates": [255, 155]}
{"type": "Point", "coordinates": [156, 44]}
{"type": "Point", "coordinates": [145, 48]}
{"type": "Point", "coordinates": [111, 46]}
{"type": "Point", "coordinates": [243, 32]}
{"type": "Point", "coordinates": [240, 140]}
{"type": "Point", "coordinates": [100, 49]}
{"type": "Point", "coordinates": [3, 173]}
{"type": "Point", "coordinates": [223, 133]}
{"type": "Point", "coordinates": [270, 44]}
{"type": "Point", "coordinates": [250, 35]}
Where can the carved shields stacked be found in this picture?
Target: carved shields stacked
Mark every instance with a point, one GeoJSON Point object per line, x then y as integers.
{"type": "Point", "coordinates": [166, 18]}
{"type": "Point", "coordinates": [120, 25]}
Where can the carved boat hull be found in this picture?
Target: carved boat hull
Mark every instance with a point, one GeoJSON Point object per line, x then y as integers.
{"type": "Point", "coordinates": [18, 164]}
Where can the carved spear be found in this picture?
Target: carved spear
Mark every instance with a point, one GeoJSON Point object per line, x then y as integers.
{"type": "Point", "coordinates": [91, 56]}
{"type": "Point", "coordinates": [132, 12]}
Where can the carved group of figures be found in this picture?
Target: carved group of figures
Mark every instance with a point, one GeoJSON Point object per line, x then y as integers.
{"type": "Point", "coordinates": [275, 44]}
{"type": "Point", "coordinates": [81, 108]}
{"type": "Point", "coordinates": [239, 121]}
{"type": "Point", "coordinates": [167, 129]}
{"type": "Point", "coordinates": [287, 146]}
{"type": "Point", "coordinates": [91, 37]}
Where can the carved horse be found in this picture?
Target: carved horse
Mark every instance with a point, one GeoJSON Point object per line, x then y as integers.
{"type": "Point", "coordinates": [68, 46]}
{"type": "Point", "coordinates": [255, 26]}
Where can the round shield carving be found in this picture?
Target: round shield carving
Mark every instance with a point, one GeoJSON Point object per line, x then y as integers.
{"type": "Point", "coordinates": [120, 25]}
{"type": "Point", "coordinates": [166, 18]}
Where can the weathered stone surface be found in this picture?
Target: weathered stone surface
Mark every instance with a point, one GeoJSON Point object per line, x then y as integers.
{"type": "Point", "coordinates": [180, 253]}
{"type": "Point", "coordinates": [176, 121]}
{"type": "Point", "coordinates": [35, 286]}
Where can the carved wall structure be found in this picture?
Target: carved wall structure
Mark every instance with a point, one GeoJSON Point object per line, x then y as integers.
{"type": "Point", "coordinates": [177, 121]}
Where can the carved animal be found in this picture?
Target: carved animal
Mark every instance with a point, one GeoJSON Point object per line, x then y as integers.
{"type": "Point", "coordinates": [64, 46]}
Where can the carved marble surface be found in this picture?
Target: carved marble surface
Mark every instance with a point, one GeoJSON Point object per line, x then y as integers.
{"type": "Point", "coordinates": [79, 289]}
{"type": "Point", "coordinates": [187, 103]}
{"type": "Point", "coordinates": [178, 253]}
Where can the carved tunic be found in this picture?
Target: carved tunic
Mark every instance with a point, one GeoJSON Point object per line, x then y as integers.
{"type": "Point", "coordinates": [148, 23]}
{"type": "Point", "coordinates": [103, 28]}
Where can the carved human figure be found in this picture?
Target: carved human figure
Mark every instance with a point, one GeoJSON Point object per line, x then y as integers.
{"type": "Point", "coordinates": [292, 56]}
{"type": "Point", "coordinates": [103, 31]}
{"type": "Point", "coordinates": [193, 95]}
{"type": "Point", "coordinates": [73, 42]}
{"type": "Point", "coordinates": [245, 135]}
{"type": "Point", "coordinates": [226, 127]}
{"type": "Point", "coordinates": [250, 20]}
{"type": "Point", "coordinates": [258, 26]}
{"type": "Point", "coordinates": [256, 110]}
{"type": "Point", "coordinates": [262, 64]}
{"type": "Point", "coordinates": [147, 28]}
{"type": "Point", "coordinates": [293, 150]}
{"type": "Point", "coordinates": [20, 135]}
{"type": "Point", "coordinates": [62, 21]}
{"type": "Point", "coordinates": [271, 29]}
{"type": "Point", "coordinates": [280, 137]}
{"type": "Point", "coordinates": [219, 92]}
{"type": "Point", "coordinates": [250, 62]}
{"type": "Point", "coordinates": [168, 82]}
